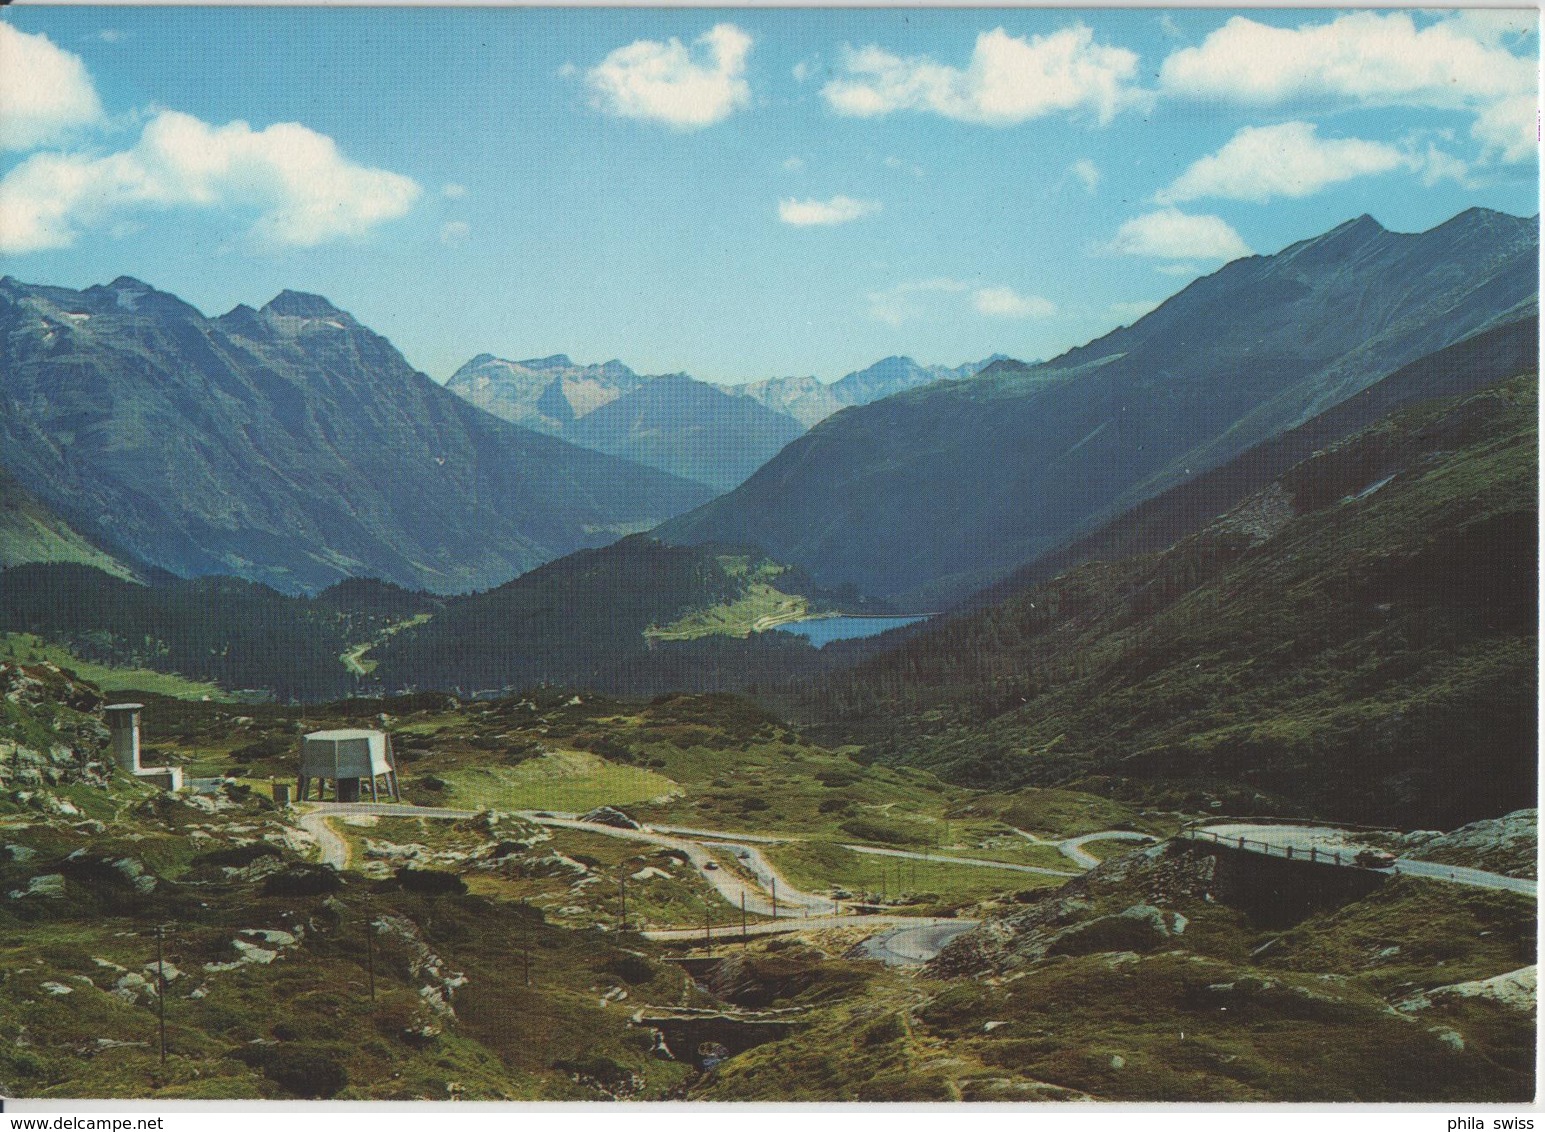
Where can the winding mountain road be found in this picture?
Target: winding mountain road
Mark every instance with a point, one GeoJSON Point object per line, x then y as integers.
{"type": "Point", "coordinates": [1341, 847]}
{"type": "Point", "coordinates": [912, 940]}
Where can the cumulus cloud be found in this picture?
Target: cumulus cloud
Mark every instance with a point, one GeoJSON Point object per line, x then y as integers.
{"type": "Point", "coordinates": [915, 299]}
{"type": "Point", "coordinates": [838, 210]}
{"type": "Point", "coordinates": [1005, 302]}
{"type": "Point", "coordinates": [453, 191]}
{"type": "Point", "coordinates": [454, 233]}
{"type": "Point", "coordinates": [904, 302]}
{"type": "Point", "coordinates": [1087, 173]}
{"type": "Point", "coordinates": [1287, 160]}
{"type": "Point", "coordinates": [45, 91]}
{"type": "Point", "coordinates": [1009, 80]}
{"type": "Point", "coordinates": [667, 82]}
{"type": "Point", "coordinates": [1172, 234]}
{"type": "Point", "coordinates": [303, 191]}
{"type": "Point", "coordinates": [1510, 129]}
{"type": "Point", "coordinates": [1370, 59]}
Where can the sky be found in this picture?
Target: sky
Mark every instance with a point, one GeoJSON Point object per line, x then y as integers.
{"type": "Point", "coordinates": [738, 193]}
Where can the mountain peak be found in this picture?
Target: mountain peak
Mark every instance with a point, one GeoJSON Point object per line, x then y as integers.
{"type": "Point", "coordinates": [242, 319]}
{"type": "Point", "coordinates": [1477, 219]}
{"type": "Point", "coordinates": [299, 304]}
{"type": "Point", "coordinates": [553, 361]}
{"type": "Point", "coordinates": [1363, 227]}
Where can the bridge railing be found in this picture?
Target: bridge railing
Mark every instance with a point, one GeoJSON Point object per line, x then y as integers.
{"type": "Point", "coordinates": [1312, 854]}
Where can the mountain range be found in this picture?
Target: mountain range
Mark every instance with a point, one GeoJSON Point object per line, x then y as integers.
{"type": "Point", "coordinates": [930, 494]}
{"type": "Point", "coordinates": [289, 445]}
{"type": "Point", "coordinates": [715, 434]}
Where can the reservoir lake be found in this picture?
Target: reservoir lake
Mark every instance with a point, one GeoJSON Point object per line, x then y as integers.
{"type": "Point", "coordinates": [824, 630]}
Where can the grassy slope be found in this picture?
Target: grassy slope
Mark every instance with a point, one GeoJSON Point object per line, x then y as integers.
{"type": "Point", "coordinates": [29, 649]}
{"type": "Point", "coordinates": [30, 532]}
{"type": "Point", "coordinates": [1362, 656]}
{"type": "Point", "coordinates": [1225, 1011]}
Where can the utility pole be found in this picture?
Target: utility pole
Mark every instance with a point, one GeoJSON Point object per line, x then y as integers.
{"type": "Point", "coordinates": [161, 990]}
{"type": "Point", "coordinates": [775, 897]}
{"type": "Point", "coordinates": [707, 931]}
{"type": "Point", "coordinates": [745, 936]}
{"type": "Point", "coordinates": [370, 951]}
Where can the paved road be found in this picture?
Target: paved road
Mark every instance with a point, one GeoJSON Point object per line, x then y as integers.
{"type": "Point", "coordinates": [1073, 847]}
{"type": "Point", "coordinates": [974, 862]}
{"type": "Point", "coordinates": [754, 862]}
{"type": "Point", "coordinates": [725, 835]}
{"type": "Point", "coordinates": [1325, 841]}
{"type": "Point", "coordinates": [792, 903]}
{"type": "Point", "coordinates": [333, 849]}
{"type": "Point", "coordinates": [914, 944]}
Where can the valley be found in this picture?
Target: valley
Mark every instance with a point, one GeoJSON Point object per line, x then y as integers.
{"type": "Point", "coordinates": [1156, 723]}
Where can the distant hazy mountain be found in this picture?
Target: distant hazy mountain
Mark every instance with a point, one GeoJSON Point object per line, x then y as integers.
{"type": "Point", "coordinates": [688, 428]}
{"type": "Point", "coordinates": [547, 394]}
{"type": "Point", "coordinates": [932, 493]}
{"type": "Point", "coordinates": [698, 429]}
{"type": "Point", "coordinates": [810, 401]}
{"type": "Point", "coordinates": [289, 445]}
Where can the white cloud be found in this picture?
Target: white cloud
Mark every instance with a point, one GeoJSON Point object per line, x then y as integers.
{"type": "Point", "coordinates": [1172, 234]}
{"type": "Point", "coordinates": [452, 191]}
{"type": "Point", "coordinates": [1005, 302]}
{"type": "Point", "coordinates": [801, 71]}
{"type": "Point", "coordinates": [666, 82]}
{"type": "Point", "coordinates": [1434, 165]}
{"type": "Point", "coordinates": [45, 91]}
{"type": "Point", "coordinates": [1287, 160]}
{"type": "Point", "coordinates": [1008, 80]}
{"type": "Point", "coordinates": [454, 233]}
{"type": "Point", "coordinates": [838, 210]}
{"type": "Point", "coordinates": [1369, 57]}
{"type": "Point", "coordinates": [302, 189]}
{"type": "Point", "coordinates": [1087, 172]}
{"type": "Point", "coordinates": [1510, 128]}
{"type": "Point", "coordinates": [1131, 312]}
{"type": "Point", "coordinates": [1372, 59]}
{"type": "Point", "coordinates": [111, 35]}
{"type": "Point", "coordinates": [794, 164]}
{"type": "Point", "coordinates": [903, 303]}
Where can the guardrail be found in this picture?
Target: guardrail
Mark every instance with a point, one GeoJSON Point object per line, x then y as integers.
{"type": "Point", "coordinates": [1313, 854]}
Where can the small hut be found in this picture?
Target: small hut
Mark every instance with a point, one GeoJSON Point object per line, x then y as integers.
{"type": "Point", "coordinates": [347, 759]}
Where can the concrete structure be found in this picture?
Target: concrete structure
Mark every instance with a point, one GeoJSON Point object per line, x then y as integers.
{"type": "Point", "coordinates": [123, 723]}
{"type": "Point", "coordinates": [347, 758]}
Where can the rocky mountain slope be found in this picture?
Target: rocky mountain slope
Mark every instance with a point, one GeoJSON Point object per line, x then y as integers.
{"type": "Point", "coordinates": [933, 493]}
{"type": "Point", "coordinates": [289, 445]}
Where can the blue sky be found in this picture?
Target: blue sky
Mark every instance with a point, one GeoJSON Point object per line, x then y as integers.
{"type": "Point", "coordinates": [739, 193]}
